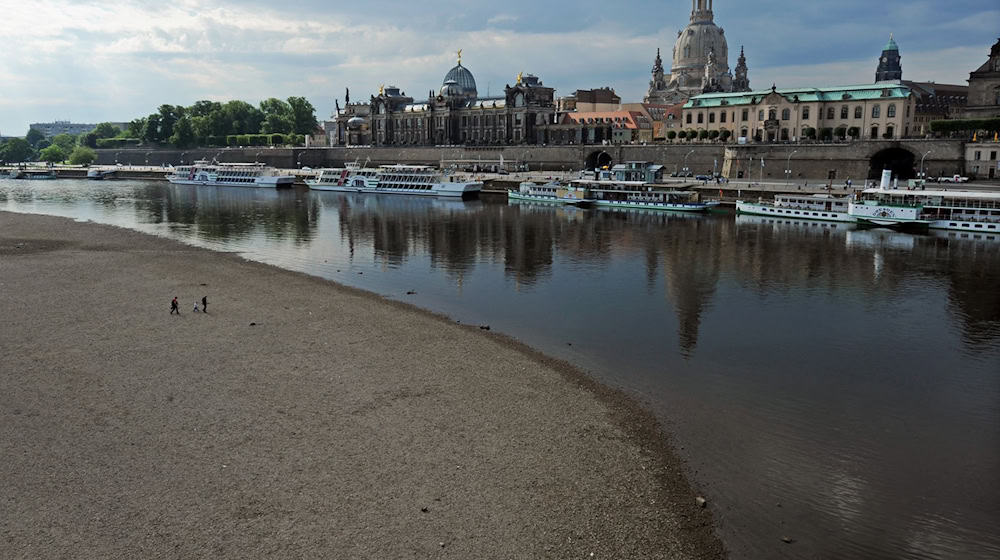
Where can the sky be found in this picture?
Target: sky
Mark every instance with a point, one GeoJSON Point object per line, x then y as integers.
{"type": "Point", "coordinates": [109, 60]}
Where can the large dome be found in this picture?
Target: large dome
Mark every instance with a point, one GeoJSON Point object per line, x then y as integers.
{"type": "Point", "coordinates": [695, 42]}
{"type": "Point", "coordinates": [464, 79]}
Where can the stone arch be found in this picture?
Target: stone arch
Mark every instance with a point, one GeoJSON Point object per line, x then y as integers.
{"type": "Point", "coordinates": [597, 160]}
{"type": "Point", "coordinates": [899, 160]}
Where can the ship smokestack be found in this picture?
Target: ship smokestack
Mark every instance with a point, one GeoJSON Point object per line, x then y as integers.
{"type": "Point", "coordinates": [886, 180]}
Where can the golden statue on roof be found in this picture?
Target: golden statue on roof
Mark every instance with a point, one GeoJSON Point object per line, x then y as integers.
{"type": "Point", "coordinates": [381, 89]}
{"type": "Point", "coordinates": [520, 76]}
{"type": "Point", "coordinates": [460, 57]}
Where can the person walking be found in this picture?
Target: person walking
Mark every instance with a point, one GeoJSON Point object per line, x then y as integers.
{"type": "Point", "coordinates": [204, 304]}
{"type": "Point", "coordinates": [174, 308]}
{"type": "Point", "coordinates": [196, 306]}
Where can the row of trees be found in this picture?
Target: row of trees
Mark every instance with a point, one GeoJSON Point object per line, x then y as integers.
{"type": "Point", "coordinates": [967, 126]}
{"type": "Point", "coordinates": [213, 123]}
{"type": "Point", "coordinates": [61, 148]}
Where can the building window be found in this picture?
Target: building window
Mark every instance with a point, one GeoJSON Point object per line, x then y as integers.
{"type": "Point", "coordinates": [891, 112]}
{"type": "Point", "coordinates": [805, 113]}
{"type": "Point", "coordinates": [874, 132]}
{"type": "Point", "coordinates": [689, 118]}
{"type": "Point", "coordinates": [993, 155]}
{"type": "Point", "coordinates": [844, 112]}
{"type": "Point", "coordinates": [772, 115]}
{"type": "Point", "coordinates": [890, 132]}
{"type": "Point", "coordinates": [876, 111]}
{"type": "Point", "coordinates": [701, 118]}
{"type": "Point", "coordinates": [978, 155]}
{"type": "Point", "coordinates": [830, 113]}
{"type": "Point", "coordinates": [907, 111]}
{"type": "Point", "coordinates": [786, 114]}
{"type": "Point", "coordinates": [858, 112]}
{"type": "Point", "coordinates": [722, 117]}
{"type": "Point", "coordinates": [711, 117]}
{"type": "Point", "coordinates": [746, 115]}
{"type": "Point", "coordinates": [784, 134]}
{"type": "Point", "coordinates": [743, 133]}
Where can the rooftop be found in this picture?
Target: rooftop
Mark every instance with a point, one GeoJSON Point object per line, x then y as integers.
{"type": "Point", "coordinates": [805, 94]}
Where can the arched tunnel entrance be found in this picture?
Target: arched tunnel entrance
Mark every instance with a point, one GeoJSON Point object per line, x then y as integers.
{"type": "Point", "coordinates": [597, 160]}
{"type": "Point", "coordinates": [900, 161]}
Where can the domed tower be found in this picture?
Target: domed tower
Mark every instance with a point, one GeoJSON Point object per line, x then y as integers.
{"type": "Point", "coordinates": [889, 67]}
{"type": "Point", "coordinates": [691, 53]}
{"type": "Point", "coordinates": [463, 80]}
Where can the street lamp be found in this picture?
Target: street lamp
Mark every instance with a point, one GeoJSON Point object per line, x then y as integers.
{"type": "Point", "coordinates": [788, 167]}
{"type": "Point", "coordinates": [182, 157]}
{"type": "Point", "coordinates": [686, 161]}
{"type": "Point", "coordinates": [116, 157]}
{"type": "Point", "coordinates": [256, 157]}
{"type": "Point", "coordinates": [922, 163]}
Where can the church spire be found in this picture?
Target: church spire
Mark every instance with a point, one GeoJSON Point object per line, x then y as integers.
{"type": "Point", "coordinates": [741, 79]}
{"type": "Point", "coordinates": [658, 63]}
{"type": "Point", "coordinates": [889, 67]}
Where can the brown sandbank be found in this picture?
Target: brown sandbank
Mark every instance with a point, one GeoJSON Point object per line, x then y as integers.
{"type": "Point", "coordinates": [341, 425]}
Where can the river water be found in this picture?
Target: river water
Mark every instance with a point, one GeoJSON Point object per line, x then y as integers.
{"type": "Point", "coordinates": [835, 386]}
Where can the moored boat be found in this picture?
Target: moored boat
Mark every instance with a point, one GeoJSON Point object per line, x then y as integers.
{"type": "Point", "coordinates": [230, 175]}
{"type": "Point", "coordinates": [417, 180]}
{"type": "Point", "coordinates": [551, 193]}
{"type": "Point", "coordinates": [822, 207]}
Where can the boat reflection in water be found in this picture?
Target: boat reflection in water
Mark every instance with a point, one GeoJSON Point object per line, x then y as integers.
{"type": "Point", "coordinates": [847, 375]}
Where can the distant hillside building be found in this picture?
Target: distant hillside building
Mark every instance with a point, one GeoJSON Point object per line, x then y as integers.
{"type": "Point", "coordinates": [601, 99]}
{"type": "Point", "coordinates": [984, 88]}
{"type": "Point", "coordinates": [61, 127]}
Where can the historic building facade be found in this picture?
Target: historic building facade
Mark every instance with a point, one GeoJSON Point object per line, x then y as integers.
{"type": "Point", "coordinates": [454, 115]}
{"type": "Point", "coordinates": [874, 111]}
{"type": "Point", "coordinates": [700, 62]}
{"type": "Point", "coordinates": [984, 88]}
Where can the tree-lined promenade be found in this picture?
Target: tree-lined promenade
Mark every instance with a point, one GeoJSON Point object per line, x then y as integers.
{"type": "Point", "coordinates": [204, 124]}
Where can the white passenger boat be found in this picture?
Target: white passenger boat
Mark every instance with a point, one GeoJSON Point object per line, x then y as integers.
{"type": "Point", "coordinates": [418, 180]}
{"type": "Point", "coordinates": [822, 207]}
{"type": "Point", "coordinates": [230, 175]}
{"type": "Point", "coordinates": [886, 207]}
{"type": "Point", "coordinates": [551, 193]}
{"type": "Point", "coordinates": [958, 210]}
{"type": "Point", "coordinates": [639, 194]}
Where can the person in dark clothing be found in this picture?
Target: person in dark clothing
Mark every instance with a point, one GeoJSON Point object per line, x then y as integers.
{"type": "Point", "coordinates": [174, 308]}
{"type": "Point", "coordinates": [204, 304]}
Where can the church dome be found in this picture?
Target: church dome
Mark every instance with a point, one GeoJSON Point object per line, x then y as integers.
{"type": "Point", "coordinates": [463, 79]}
{"type": "Point", "coordinates": [695, 42]}
{"type": "Point", "coordinates": [451, 89]}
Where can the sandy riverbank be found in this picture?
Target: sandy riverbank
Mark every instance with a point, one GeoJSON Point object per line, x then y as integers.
{"type": "Point", "coordinates": [341, 425]}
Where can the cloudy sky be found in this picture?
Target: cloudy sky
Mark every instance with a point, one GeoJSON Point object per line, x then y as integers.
{"type": "Point", "coordinates": [108, 60]}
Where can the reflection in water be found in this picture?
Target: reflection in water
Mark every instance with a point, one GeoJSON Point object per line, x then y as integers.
{"type": "Point", "coordinates": [848, 375]}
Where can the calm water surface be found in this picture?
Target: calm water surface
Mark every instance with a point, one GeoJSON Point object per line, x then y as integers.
{"type": "Point", "coordinates": [840, 387]}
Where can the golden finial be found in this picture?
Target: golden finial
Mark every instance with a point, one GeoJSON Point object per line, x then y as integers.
{"type": "Point", "coordinates": [381, 89]}
{"type": "Point", "coordinates": [459, 56]}
{"type": "Point", "coordinates": [520, 76]}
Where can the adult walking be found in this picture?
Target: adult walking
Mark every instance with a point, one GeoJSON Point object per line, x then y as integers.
{"type": "Point", "coordinates": [204, 304]}
{"type": "Point", "coordinates": [174, 307]}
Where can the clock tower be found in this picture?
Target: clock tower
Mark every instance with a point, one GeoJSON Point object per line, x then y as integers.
{"type": "Point", "coordinates": [889, 68]}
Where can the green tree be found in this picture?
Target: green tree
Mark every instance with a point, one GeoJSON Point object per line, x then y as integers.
{"type": "Point", "coordinates": [680, 134]}
{"type": "Point", "coordinates": [671, 134]}
{"type": "Point", "coordinates": [151, 128]}
{"type": "Point", "coordinates": [702, 134]}
{"type": "Point", "coordinates": [107, 130]}
{"type": "Point", "coordinates": [713, 134]}
{"type": "Point", "coordinates": [65, 141]}
{"type": "Point", "coordinates": [53, 153]}
{"type": "Point", "coordinates": [169, 115]}
{"type": "Point", "coordinates": [136, 128]}
{"type": "Point", "coordinates": [243, 118]}
{"type": "Point", "coordinates": [725, 134]}
{"type": "Point", "coordinates": [82, 155]}
{"type": "Point", "coordinates": [89, 139]}
{"type": "Point", "coordinates": [274, 122]}
{"type": "Point", "coordinates": [33, 137]}
{"type": "Point", "coordinates": [183, 135]}
{"type": "Point", "coordinates": [16, 150]}
{"type": "Point", "coordinates": [303, 115]}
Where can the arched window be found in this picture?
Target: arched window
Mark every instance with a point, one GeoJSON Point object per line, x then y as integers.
{"type": "Point", "coordinates": [844, 112]}
{"type": "Point", "coordinates": [760, 115]}
{"type": "Point", "coordinates": [687, 51]}
{"type": "Point", "coordinates": [785, 115]}
{"type": "Point", "coordinates": [892, 111]}
{"type": "Point", "coordinates": [830, 113]}
{"type": "Point", "coordinates": [876, 111]}
{"type": "Point", "coordinates": [805, 113]}
{"type": "Point", "coordinates": [858, 112]}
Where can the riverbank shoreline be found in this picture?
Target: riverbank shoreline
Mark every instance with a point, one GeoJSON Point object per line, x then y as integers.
{"type": "Point", "coordinates": [299, 417]}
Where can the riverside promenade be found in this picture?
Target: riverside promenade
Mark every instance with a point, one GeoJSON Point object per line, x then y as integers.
{"type": "Point", "coordinates": [298, 419]}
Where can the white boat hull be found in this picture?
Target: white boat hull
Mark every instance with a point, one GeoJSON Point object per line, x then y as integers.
{"type": "Point", "coordinates": [259, 182]}
{"type": "Point", "coordinates": [516, 196]}
{"type": "Point", "coordinates": [454, 190]}
{"type": "Point", "coordinates": [762, 209]}
{"type": "Point", "coordinates": [668, 206]}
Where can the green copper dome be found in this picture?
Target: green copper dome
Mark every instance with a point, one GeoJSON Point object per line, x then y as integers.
{"type": "Point", "coordinates": [891, 46]}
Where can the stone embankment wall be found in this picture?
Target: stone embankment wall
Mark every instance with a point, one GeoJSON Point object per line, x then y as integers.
{"type": "Point", "coordinates": [809, 161]}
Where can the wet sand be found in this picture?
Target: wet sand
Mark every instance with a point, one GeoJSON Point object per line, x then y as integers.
{"type": "Point", "coordinates": [298, 419]}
